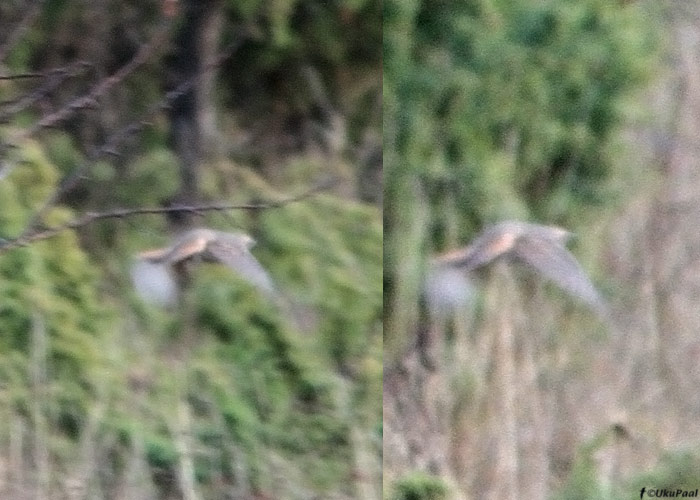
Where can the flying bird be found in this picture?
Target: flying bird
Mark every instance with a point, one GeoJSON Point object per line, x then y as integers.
{"type": "Point", "coordinates": [157, 274]}
{"type": "Point", "coordinates": [541, 248]}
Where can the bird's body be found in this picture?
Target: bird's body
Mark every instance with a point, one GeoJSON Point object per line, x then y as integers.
{"type": "Point", "coordinates": [542, 248]}
{"type": "Point", "coordinates": [156, 271]}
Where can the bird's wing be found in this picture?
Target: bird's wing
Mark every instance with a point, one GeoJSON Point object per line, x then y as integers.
{"type": "Point", "coordinates": [239, 259]}
{"type": "Point", "coordinates": [452, 257]}
{"type": "Point", "coordinates": [556, 263]}
{"type": "Point", "coordinates": [153, 255]}
{"type": "Point", "coordinates": [485, 249]}
{"type": "Point", "coordinates": [186, 248]}
{"type": "Point", "coordinates": [180, 250]}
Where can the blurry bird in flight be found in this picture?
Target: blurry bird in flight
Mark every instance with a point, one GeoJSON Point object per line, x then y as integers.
{"type": "Point", "coordinates": [157, 274]}
{"type": "Point", "coordinates": [541, 248]}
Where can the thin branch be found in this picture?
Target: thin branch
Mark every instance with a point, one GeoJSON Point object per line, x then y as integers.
{"type": "Point", "coordinates": [90, 100]}
{"type": "Point", "coordinates": [120, 213]}
{"type": "Point", "coordinates": [110, 147]}
{"type": "Point", "coordinates": [54, 79]}
{"type": "Point", "coordinates": [22, 76]}
{"type": "Point", "coordinates": [47, 72]}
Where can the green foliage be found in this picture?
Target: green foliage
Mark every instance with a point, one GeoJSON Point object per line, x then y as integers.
{"type": "Point", "coordinates": [51, 314]}
{"type": "Point", "coordinates": [332, 252]}
{"type": "Point", "coordinates": [262, 377]}
{"type": "Point", "coordinates": [152, 178]}
{"type": "Point", "coordinates": [497, 110]}
{"type": "Point", "coordinates": [48, 288]}
{"type": "Point", "coordinates": [161, 452]}
{"type": "Point", "coordinates": [62, 151]}
{"type": "Point", "coordinates": [583, 482]}
{"type": "Point", "coordinates": [531, 92]}
{"type": "Point", "coordinates": [675, 470]}
{"type": "Point", "coordinates": [341, 40]}
{"type": "Point", "coordinates": [266, 403]}
{"type": "Point", "coordinates": [419, 486]}
{"type": "Point", "coordinates": [273, 382]}
{"type": "Point", "coordinates": [313, 29]}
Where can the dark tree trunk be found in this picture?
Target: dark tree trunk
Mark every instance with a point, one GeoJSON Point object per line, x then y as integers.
{"type": "Point", "coordinates": [187, 63]}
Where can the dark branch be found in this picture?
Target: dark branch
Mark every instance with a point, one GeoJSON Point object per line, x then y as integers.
{"type": "Point", "coordinates": [90, 99]}
{"type": "Point", "coordinates": [120, 213]}
{"type": "Point", "coordinates": [22, 76]}
{"type": "Point", "coordinates": [144, 53]}
{"type": "Point", "coordinates": [116, 139]}
{"type": "Point", "coordinates": [53, 80]}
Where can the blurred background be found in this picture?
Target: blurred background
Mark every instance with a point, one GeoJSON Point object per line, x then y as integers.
{"type": "Point", "coordinates": [581, 114]}
{"type": "Point", "coordinates": [132, 104]}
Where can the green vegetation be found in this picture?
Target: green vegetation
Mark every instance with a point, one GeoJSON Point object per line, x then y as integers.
{"type": "Point", "coordinates": [226, 395]}
{"type": "Point", "coordinates": [499, 110]}
{"type": "Point", "coordinates": [674, 471]}
{"type": "Point", "coordinates": [678, 470]}
{"type": "Point", "coordinates": [254, 382]}
{"type": "Point", "coordinates": [418, 486]}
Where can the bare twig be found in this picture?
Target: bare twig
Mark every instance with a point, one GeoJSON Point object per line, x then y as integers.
{"type": "Point", "coordinates": [119, 213]}
{"type": "Point", "coordinates": [22, 76]}
{"type": "Point", "coordinates": [90, 99]}
{"type": "Point", "coordinates": [54, 79]}
{"type": "Point", "coordinates": [111, 146]}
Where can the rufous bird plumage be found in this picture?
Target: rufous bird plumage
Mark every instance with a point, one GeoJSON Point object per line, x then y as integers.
{"type": "Point", "coordinates": [541, 248]}
{"type": "Point", "coordinates": [155, 273]}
